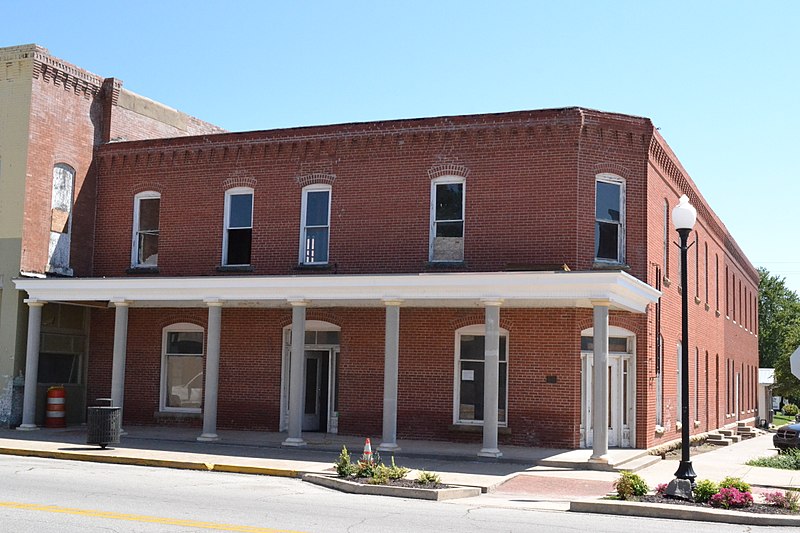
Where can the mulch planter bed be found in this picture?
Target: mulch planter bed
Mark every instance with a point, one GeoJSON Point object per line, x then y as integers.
{"type": "Point", "coordinates": [758, 508]}
{"type": "Point", "coordinates": [410, 483]}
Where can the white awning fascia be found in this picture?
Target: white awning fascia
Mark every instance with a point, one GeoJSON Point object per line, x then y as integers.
{"type": "Point", "coordinates": [515, 289]}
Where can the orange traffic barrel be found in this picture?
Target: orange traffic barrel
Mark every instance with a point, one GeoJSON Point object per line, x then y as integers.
{"type": "Point", "coordinates": [56, 407]}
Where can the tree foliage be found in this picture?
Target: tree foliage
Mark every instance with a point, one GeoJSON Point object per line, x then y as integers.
{"type": "Point", "coordinates": [778, 330]}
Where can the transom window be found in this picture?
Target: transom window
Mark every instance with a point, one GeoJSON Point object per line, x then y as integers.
{"type": "Point", "coordinates": [237, 239]}
{"type": "Point", "coordinates": [182, 368]}
{"type": "Point", "coordinates": [609, 236]}
{"type": "Point", "coordinates": [470, 352]}
{"type": "Point", "coordinates": [315, 224]}
{"type": "Point", "coordinates": [447, 219]}
{"type": "Point", "coordinates": [146, 207]}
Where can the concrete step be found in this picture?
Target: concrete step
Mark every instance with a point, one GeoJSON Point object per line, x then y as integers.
{"type": "Point", "coordinates": [719, 439]}
{"type": "Point", "coordinates": [726, 432]}
{"type": "Point", "coordinates": [637, 464]}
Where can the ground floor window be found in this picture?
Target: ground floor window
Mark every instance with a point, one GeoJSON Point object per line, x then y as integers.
{"type": "Point", "coordinates": [469, 374]}
{"type": "Point", "coordinates": [182, 368]}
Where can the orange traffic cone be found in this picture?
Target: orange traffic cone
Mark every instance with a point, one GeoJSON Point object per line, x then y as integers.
{"type": "Point", "coordinates": [367, 451]}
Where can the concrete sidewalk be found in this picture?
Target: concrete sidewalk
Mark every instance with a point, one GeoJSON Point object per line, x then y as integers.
{"type": "Point", "coordinates": [521, 471]}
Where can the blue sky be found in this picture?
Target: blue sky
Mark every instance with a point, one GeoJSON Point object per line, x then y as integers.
{"type": "Point", "coordinates": [720, 79]}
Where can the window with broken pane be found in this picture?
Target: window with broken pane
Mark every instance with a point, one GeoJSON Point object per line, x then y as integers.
{"type": "Point", "coordinates": [147, 230]}
{"type": "Point", "coordinates": [447, 239]}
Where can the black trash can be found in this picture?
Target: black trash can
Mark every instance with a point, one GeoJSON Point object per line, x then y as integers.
{"type": "Point", "coordinates": [103, 425]}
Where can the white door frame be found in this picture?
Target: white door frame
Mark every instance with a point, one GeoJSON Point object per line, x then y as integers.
{"type": "Point", "coordinates": [333, 357]}
{"type": "Point", "coordinates": [620, 434]}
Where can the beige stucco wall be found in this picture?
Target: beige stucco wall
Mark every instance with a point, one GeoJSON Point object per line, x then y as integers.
{"type": "Point", "coordinates": [16, 64]}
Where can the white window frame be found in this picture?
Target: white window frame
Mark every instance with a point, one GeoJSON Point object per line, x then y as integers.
{"type": "Point", "coordinates": [137, 199]}
{"type": "Point", "coordinates": [226, 220]}
{"type": "Point", "coordinates": [303, 227]}
{"type": "Point", "coordinates": [476, 329]}
{"type": "Point", "coordinates": [614, 180]}
{"type": "Point", "coordinates": [446, 180]}
{"type": "Point", "coordinates": [173, 328]}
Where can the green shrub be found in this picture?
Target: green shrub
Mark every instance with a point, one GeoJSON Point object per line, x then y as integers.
{"type": "Point", "coordinates": [734, 483]}
{"type": "Point", "coordinates": [788, 460]}
{"type": "Point", "coordinates": [428, 478]}
{"type": "Point", "coordinates": [343, 466]}
{"type": "Point", "coordinates": [380, 475]}
{"type": "Point", "coordinates": [704, 490]}
{"type": "Point", "coordinates": [790, 409]}
{"type": "Point", "coordinates": [630, 486]}
{"type": "Point", "coordinates": [397, 472]}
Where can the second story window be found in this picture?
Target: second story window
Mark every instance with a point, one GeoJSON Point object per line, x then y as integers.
{"type": "Point", "coordinates": [609, 234]}
{"type": "Point", "coordinates": [447, 219]}
{"type": "Point", "coordinates": [315, 224]}
{"type": "Point", "coordinates": [238, 234]}
{"type": "Point", "coordinates": [146, 206]}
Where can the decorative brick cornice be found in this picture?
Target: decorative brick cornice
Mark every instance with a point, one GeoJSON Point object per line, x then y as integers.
{"type": "Point", "coordinates": [448, 169]}
{"type": "Point", "coordinates": [668, 167]}
{"type": "Point", "coordinates": [60, 73]}
{"type": "Point", "coordinates": [314, 178]}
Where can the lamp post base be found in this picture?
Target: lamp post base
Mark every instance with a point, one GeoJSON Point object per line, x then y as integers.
{"type": "Point", "coordinates": [685, 471]}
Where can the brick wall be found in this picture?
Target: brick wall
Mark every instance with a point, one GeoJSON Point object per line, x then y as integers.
{"type": "Point", "coordinates": [529, 201]}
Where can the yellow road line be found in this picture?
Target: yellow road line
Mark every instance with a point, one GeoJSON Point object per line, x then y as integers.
{"type": "Point", "coordinates": [140, 518]}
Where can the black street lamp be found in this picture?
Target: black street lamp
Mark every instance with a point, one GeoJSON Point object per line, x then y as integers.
{"type": "Point", "coordinates": [684, 216]}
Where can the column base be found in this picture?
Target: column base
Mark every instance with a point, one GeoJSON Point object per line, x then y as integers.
{"type": "Point", "coordinates": [28, 427]}
{"type": "Point", "coordinates": [493, 453]}
{"type": "Point", "coordinates": [208, 437]}
{"type": "Point", "coordinates": [388, 447]}
{"type": "Point", "coordinates": [602, 459]}
{"type": "Point", "coordinates": [294, 441]}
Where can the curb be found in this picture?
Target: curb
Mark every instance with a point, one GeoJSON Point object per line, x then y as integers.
{"type": "Point", "coordinates": [678, 512]}
{"type": "Point", "coordinates": [157, 463]}
{"type": "Point", "coordinates": [388, 490]}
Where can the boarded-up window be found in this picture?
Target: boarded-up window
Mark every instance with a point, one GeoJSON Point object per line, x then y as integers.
{"type": "Point", "coordinates": [61, 219]}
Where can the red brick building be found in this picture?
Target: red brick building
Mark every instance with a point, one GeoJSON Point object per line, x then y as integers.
{"type": "Point", "coordinates": [408, 278]}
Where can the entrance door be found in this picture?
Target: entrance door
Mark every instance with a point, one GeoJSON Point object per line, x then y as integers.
{"type": "Point", "coordinates": [621, 391]}
{"type": "Point", "coordinates": [315, 394]}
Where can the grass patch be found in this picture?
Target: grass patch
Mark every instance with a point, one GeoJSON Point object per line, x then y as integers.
{"type": "Point", "coordinates": [781, 419]}
{"type": "Point", "coordinates": [788, 460]}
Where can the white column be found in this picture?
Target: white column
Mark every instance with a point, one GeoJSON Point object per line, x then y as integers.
{"type": "Point", "coordinates": [119, 354]}
{"type": "Point", "coordinates": [212, 372]}
{"type": "Point", "coordinates": [491, 373]}
{"type": "Point", "coordinates": [296, 374]}
{"type": "Point", "coordinates": [390, 371]}
{"type": "Point", "coordinates": [600, 391]}
{"type": "Point", "coordinates": [31, 365]}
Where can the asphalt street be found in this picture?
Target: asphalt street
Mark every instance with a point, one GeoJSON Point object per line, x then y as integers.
{"type": "Point", "coordinates": [43, 495]}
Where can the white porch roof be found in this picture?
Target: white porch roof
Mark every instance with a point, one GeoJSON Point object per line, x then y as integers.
{"type": "Point", "coordinates": [515, 289]}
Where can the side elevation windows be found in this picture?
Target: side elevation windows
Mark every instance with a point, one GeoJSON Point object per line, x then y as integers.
{"type": "Point", "coordinates": [238, 235]}
{"type": "Point", "coordinates": [447, 219]}
{"type": "Point", "coordinates": [470, 353]}
{"type": "Point", "coordinates": [146, 207]}
{"type": "Point", "coordinates": [609, 235]}
{"type": "Point", "coordinates": [315, 225]}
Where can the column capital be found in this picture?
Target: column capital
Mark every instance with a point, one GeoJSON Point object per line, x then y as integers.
{"type": "Point", "coordinates": [297, 302]}
{"type": "Point", "coordinates": [119, 302]}
{"type": "Point", "coordinates": [390, 301]}
{"type": "Point", "coordinates": [491, 302]}
{"type": "Point", "coordinates": [33, 302]}
{"type": "Point", "coordinates": [213, 302]}
{"type": "Point", "coordinates": [601, 302]}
